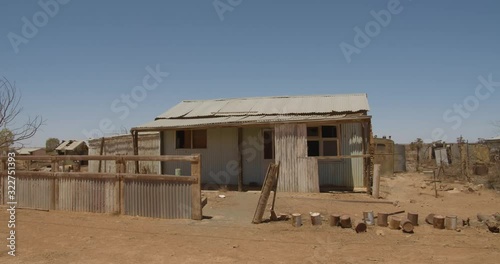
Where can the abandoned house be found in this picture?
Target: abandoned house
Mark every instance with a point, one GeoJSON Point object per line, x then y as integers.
{"type": "Point", "coordinates": [319, 141]}
{"type": "Point", "coordinates": [31, 152]}
{"type": "Point", "coordinates": [72, 147]}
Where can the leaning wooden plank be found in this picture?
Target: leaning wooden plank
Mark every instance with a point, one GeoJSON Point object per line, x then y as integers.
{"type": "Point", "coordinates": [269, 182]}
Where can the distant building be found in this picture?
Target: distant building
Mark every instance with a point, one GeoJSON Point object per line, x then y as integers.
{"type": "Point", "coordinates": [31, 151]}
{"type": "Point", "coordinates": [72, 147]}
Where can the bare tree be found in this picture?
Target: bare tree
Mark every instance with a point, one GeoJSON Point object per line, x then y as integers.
{"type": "Point", "coordinates": [10, 110]}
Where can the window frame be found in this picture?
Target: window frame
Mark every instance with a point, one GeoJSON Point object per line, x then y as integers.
{"type": "Point", "coordinates": [322, 139]}
{"type": "Point", "coordinates": [191, 139]}
{"type": "Point", "coordinates": [264, 143]}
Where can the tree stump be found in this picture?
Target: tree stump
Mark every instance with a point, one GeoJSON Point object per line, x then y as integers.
{"type": "Point", "coordinates": [450, 222]}
{"type": "Point", "coordinates": [395, 222]}
{"type": "Point", "coordinates": [359, 226]}
{"type": "Point", "coordinates": [413, 217]}
{"type": "Point", "coordinates": [345, 221]}
{"type": "Point", "coordinates": [315, 219]}
{"type": "Point", "coordinates": [382, 219]}
{"type": "Point", "coordinates": [407, 226]}
{"type": "Point", "coordinates": [296, 220]}
{"type": "Point", "coordinates": [430, 219]}
{"type": "Point", "coordinates": [334, 220]}
{"type": "Point", "coordinates": [438, 222]}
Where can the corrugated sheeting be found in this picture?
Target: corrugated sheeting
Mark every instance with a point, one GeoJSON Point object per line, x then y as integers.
{"type": "Point", "coordinates": [399, 158]}
{"type": "Point", "coordinates": [149, 144]}
{"type": "Point", "coordinates": [291, 153]}
{"type": "Point", "coordinates": [158, 199]}
{"type": "Point", "coordinates": [88, 195]}
{"type": "Point", "coordinates": [220, 160]}
{"type": "Point", "coordinates": [32, 192]}
{"type": "Point", "coordinates": [346, 173]}
{"type": "Point", "coordinates": [236, 120]}
{"type": "Point", "coordinates": [254, 165]}
{"type": "Point", "coordinates": [270, 106]}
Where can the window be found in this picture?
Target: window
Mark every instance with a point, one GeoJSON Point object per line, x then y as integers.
{"type": "Point", "coordinates": [322, 141]}
{"type": "Point", "coordinates": [191, 139]}
{"type": "Point", "coordinates": [268, 144]}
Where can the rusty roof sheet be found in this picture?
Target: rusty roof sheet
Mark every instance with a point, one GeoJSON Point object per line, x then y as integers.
{"type": "Point", "coordinates": [279, 105]}
{"type": "Point", "coordinates": [237, 120]}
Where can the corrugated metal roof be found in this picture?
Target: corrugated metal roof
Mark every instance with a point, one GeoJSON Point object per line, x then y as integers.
{"type": "Point", "coordinates": [69, 145]}
{"type": "Point", "coordinates": [27, 151]}
{"type": "Point", "coordinates": [298, 105]}
{"type": "Point", "coordinates": [260, 110]}
{"type": "Point", "coordinates": [235, 120]}
{"type": "Point", "coordinates": [493, 138]}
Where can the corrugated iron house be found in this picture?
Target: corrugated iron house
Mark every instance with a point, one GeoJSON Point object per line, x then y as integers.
{"type": "Point", "coordinates": [72, 147]}
{"type": "Point", "coordinates": [318, 140]}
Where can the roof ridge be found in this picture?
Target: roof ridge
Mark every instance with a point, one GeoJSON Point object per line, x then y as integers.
{"type": "Point", "coordinates": [277, 97]}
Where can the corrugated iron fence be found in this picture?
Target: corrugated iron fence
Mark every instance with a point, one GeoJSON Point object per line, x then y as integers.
{"type": "Point", "coordinates": [160, 196]}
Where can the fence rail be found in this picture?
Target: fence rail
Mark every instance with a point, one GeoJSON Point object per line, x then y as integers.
{"type": "Point", "coordinates": [163, 196]}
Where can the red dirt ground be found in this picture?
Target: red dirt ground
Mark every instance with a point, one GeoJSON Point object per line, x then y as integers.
{"type": "Point", "coordinates": [228, 237]}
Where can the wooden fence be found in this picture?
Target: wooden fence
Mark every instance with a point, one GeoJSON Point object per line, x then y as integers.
{"type": "Point", "coordinates": [161, 196]}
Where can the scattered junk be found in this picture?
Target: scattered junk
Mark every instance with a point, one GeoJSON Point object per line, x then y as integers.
{"type": "Point", "coordinates": [222, 196]}
{"type": "Point", "coordinates": [359, 227]}
{"type": "Point", "coordinates": [315, 219]}
{"type": "Point", "coordinates": [407, 226]}
{"type": "Point", "coordinates": [450, 222]}
{"type": "Point", "coordinates": [413, 217]}
{"type": "Point", "coordinates": [345, 221]}
{"type": "Point", "coordinates": [368, 217]}
{"type": "Point", "coordinates": [491, 221]}
{"type": "Point", "coordinates": [438, 221]}
{"type": "Point", "coordinates": [395, 222]}
{"type": "Point", "coordinates": [334, 220]}
{"type": "Point", "coordinates": [382, 219]}
{"type": "Point", "coordinates": [296, 220]}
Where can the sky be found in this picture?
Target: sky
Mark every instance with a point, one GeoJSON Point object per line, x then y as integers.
{"type": "Point", "coordinates": [431, 69]}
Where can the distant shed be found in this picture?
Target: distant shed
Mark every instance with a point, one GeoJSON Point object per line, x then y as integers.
{"type": "Point", "coordinates": [149, 145]}
{"type": "Point", "coordinates": [31, 152]}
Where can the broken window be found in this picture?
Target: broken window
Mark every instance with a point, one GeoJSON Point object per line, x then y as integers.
{"type": "Point", "coordinates": [191, 139]}
{"type": "Point", "coordinates": [322, 141]}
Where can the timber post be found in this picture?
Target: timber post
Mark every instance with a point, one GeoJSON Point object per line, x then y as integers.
{"type": "Point", "coordinates": [123, 169]}
{"type": "Point", "coordinates": [196, 210]}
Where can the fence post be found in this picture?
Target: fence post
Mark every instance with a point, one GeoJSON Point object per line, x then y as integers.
{"type": "Point", "coordinates": [196, 210]}
{"type": "Point", "coordinates": [117, 185]}
{"type": "Point", "coordinates": [123, 169]}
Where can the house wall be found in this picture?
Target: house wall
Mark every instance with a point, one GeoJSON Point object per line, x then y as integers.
{"type": "Point", "coordinates": [291, 153]}
{"type": "Point", "coordinates": [345, 173]}
{"type": "Point", "coordinates": [254, 165]}
{"type": "Point", "coordinates": [219, 161]}
{"type": "Point", "coordinates": [40, 152]}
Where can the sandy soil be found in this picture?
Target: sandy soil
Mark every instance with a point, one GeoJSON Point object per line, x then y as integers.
{"type": "Point", "coordinates": [228, 237]}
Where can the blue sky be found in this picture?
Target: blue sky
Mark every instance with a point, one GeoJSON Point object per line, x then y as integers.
{"type": "Point", "coordinates": [426, 59]}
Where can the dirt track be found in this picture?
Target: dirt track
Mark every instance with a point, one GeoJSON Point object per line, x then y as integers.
{"type": "Point", "coordinates": [65, 237]}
